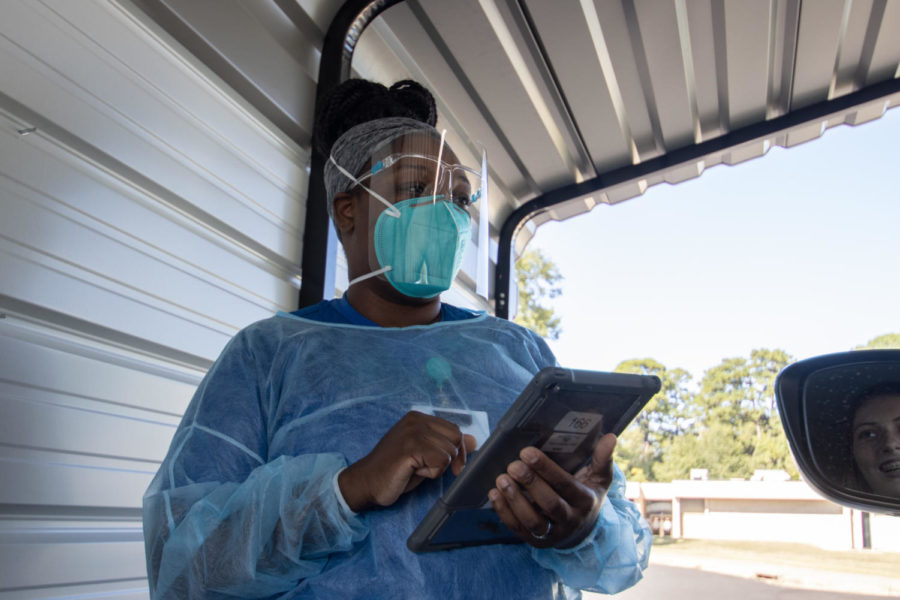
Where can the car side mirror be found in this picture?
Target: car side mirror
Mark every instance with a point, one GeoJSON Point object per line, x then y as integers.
{"type": "Point", "coordinates": [841, 415]}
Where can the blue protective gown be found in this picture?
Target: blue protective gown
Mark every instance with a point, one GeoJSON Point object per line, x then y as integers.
{"type": "Point", "coordinates": [245, 503]}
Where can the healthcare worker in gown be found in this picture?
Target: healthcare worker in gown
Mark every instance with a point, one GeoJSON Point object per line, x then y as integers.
{"type": "Point", "coordinates": [319, 439]}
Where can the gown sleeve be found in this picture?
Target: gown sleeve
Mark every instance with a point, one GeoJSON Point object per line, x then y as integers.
{"type": "Point", "coordinates": [613, 556]}
{"type": "Point", "coordinates": [220, 519]}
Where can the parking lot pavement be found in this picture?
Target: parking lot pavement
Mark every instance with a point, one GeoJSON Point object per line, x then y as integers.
{"type": "Point", "coordinates": [785, 575]}
{"type": "Point", "coordinates": [677, 583]}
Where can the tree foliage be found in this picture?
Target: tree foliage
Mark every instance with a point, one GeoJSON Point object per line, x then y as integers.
{"type": "Point", "coordinates": [713, 449]}
{"type": "Point", "coordinates": [740, 391]}
{"type": "Point", "coordinates": [666, 417]}
{"type": "Point", "coordinates": [728, 424]}
{"type": "Point", "coordinates": [538, 280]}
{"type": "Point", "coordinates": [882, 342]}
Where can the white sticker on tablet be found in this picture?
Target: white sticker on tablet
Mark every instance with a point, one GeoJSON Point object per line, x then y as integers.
{"type": "Point", "coordinates": [578, 422]}
{"type": "Point", "coordinates": [473, 422]}
{"type": "Point", "coordinates": [563, 442]}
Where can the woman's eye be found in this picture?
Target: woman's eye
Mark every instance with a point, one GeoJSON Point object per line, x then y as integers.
{"type": "Point", "coordinates": [867, 434]}
{"type": "Point", "coordinates": [414, 189]}
{"type": "Point", "coordinates": [461, 196]}
{"type": "Point", "coordinates": [462, 199]}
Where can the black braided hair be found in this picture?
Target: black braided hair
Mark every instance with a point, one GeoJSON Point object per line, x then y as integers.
{"type": "Point", "coordinates": [357, 101]}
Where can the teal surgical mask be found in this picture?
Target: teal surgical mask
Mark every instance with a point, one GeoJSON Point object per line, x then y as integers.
{"type": "Point", "coordinates": [420, 245]}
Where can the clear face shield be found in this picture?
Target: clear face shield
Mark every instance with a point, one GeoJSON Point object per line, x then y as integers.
{"type": "Point", "coordinates": [419, 203]}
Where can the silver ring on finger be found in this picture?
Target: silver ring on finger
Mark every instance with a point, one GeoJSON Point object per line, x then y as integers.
{"type": "Point", "coordinates": [544, 535]}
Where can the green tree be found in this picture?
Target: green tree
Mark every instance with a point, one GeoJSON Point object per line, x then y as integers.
{"type": "Point", "coordinates": [715, 448]}
{"type": "Point", "coordinates": [738, 428]}
{"type": "Point", "coordinates": [667, 416]}
{"type": "Point", "coordinates": [740, 391]}
{"type": "Point", "coordinates": [729, 425]}
{"type": "Point", "coordinates": [634, 456]}
{"type": "Point", "coordinates": [538, 280]}
{"type": "Point", "coordinates": [773, 452]}
{"type": "Point", "coordinates": [886, 341]}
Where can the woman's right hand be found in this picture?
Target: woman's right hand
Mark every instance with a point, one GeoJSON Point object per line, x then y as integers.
{"type": "Point", "coordinates": [416, 448]}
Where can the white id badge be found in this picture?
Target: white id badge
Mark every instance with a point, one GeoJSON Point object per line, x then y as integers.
{"type": "Point", "coordinates": [473, 422]}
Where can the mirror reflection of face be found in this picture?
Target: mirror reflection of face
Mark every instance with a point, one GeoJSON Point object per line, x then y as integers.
{"type": "Point", "coordinates": [876, 443]}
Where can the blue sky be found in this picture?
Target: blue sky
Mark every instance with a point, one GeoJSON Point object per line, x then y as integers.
{"type": "Point", "coordinates": [797, 250]}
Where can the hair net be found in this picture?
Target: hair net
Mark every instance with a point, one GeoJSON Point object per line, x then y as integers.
{"type": "Point", "coordinates": [358, 144]}
{"type": "Point", "coordinates": [245, 503]}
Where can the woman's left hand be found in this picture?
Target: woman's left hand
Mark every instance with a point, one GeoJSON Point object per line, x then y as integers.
{"type": "Point", "coordinates": [561, 504]}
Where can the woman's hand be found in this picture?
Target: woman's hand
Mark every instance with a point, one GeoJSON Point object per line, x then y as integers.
{"type": "Point", "coordinates": [416, 448]}
{"type": "Point", "coordinates": [562, 508]}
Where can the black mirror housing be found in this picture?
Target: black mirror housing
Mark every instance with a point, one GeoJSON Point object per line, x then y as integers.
{"type": "Point", "coordinates": [827, 405]}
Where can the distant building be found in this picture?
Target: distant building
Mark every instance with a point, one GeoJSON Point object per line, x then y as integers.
{"type": "Point", "coordinates": [767, 508]}
{"type": "Point", "coordinates": [770, 475]}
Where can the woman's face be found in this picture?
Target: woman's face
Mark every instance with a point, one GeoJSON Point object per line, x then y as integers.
{"type": "Point", "coordinates": [411, 171]}
{"type": "Point", "coordinates": [876, 443]}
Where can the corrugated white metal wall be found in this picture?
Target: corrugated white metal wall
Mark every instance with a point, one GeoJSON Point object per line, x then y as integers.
{"type": "Point", "coordinates": [147, 214]}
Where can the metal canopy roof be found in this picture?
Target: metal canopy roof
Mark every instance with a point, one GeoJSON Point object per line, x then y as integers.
{"type": "Point", "coordinates": [582, 102]}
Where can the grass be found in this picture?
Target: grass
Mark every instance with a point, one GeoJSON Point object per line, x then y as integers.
{"type": "Point", "coordinates": [868, 562]}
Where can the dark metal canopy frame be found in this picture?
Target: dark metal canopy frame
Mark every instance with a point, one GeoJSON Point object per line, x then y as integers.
{"type": "Point", "coordinates": [320, 241]}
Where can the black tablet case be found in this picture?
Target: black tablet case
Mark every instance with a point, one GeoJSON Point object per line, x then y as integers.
{"type": "Point", "coordinates": [561, 411]}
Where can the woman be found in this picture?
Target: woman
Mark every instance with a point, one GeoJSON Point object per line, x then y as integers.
{"type": "Point", "coordinates": [313, 447]}
{"type": "Point", "coordinates": [876, 440]}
